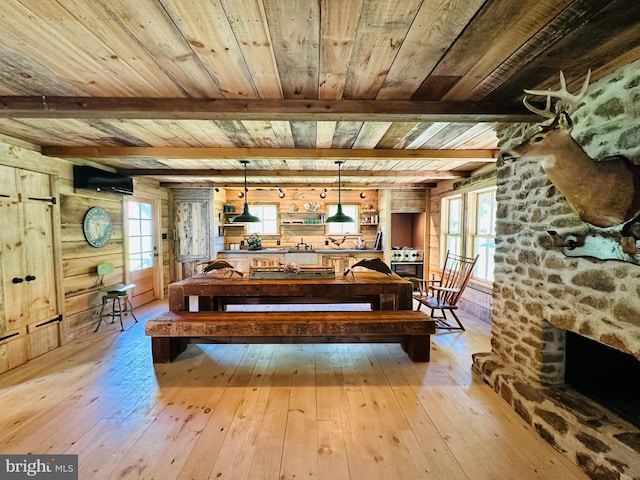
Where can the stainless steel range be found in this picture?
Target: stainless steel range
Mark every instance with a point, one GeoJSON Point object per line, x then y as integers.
{"type": "Point", "coordinates": [406, 254]}
{"type": "Point", "coordinates": [407, 262]}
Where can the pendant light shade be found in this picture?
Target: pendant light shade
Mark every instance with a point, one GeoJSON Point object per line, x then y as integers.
{"type": "Point", "coordinates": [245, 216]}
{"type": "Point", "coordinates": [339, 217]}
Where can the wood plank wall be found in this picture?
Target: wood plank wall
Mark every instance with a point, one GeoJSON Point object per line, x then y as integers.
{"type": "Point", "coordinates": [80, 281]}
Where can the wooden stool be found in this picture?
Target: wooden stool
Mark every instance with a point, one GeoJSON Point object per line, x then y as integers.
{"type": "Point", "coordinates": [120, 304]}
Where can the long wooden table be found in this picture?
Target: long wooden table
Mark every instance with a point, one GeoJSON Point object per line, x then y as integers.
{"type": "Point", "coordinates": [214, 293]}
{"type": "Point", "coordinates": [392, 319]}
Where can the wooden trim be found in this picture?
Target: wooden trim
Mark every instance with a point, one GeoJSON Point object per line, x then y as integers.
{"type": "Point", "coordinates": [262, 109]}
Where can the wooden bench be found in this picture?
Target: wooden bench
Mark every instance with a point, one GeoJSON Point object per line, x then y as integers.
{"type": "Point", "coordinates": [171, 332]}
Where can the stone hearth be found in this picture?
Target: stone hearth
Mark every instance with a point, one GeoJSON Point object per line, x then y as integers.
{"type": "Point", "coordinates": [603, 445]}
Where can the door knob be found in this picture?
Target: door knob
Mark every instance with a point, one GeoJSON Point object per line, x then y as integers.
{"type": "Point", "coordinates": [17, 280]}
{"type": "Point", "coordinates": [30, 278]}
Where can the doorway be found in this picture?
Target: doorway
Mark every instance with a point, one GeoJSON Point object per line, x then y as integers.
{"type": "Point", "coordinates": [142, 250]}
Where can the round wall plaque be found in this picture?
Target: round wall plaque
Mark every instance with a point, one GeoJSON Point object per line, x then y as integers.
{"type": "Point", "coordinates": [97, 227]}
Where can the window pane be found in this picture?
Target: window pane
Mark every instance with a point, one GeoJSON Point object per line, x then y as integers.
{"type": "Point", "coordinates": [485, 248]}
{"type": "Point", "coordinates": [454, 244]}
{"type": "Point", "coordinates": [146, 244]}
{"type": "Point", "coordinates": [134, 245]}
{"type": "Point", "coordinates": [484, 214]}
{"type": "Point", "coordinates": [145, 211]}
{"type": "Point", "coordinates": [133, 209]}
{"type": "Point", "coordinates": [145, 227]}
{"type": "Point", "coordinates": [455, 215]}
{"type": "Point", "coordinates": [135, 263]}
{"type": "Point", "coordinates": [134, 227]}
{"type": "Point", "coordinates": [147, 260]}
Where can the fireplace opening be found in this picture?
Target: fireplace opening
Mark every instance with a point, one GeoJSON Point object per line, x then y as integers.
{"type": "Point", "coordinates": [604, 374]}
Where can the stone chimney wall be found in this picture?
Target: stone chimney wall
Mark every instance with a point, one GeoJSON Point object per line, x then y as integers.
{"type": "Point", "coordinates": [538, 291]}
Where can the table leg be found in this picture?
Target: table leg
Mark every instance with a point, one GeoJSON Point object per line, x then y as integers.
{"type": "Point", "coordinates": [418, 347]}
{"type": "Point", "coordinates": [166, 349]}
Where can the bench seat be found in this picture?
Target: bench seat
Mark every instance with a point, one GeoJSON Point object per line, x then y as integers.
{"type": "Point", "coordinates": [171, 332]}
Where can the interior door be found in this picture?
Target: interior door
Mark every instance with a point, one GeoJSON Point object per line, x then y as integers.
{"type": "Point", "coordinates": [143, 261]}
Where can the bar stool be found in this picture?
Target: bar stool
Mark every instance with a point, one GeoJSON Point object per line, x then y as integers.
{"type": "Point", "coordinates": [120, 305]}
{"type": "Point", "coordinates": [119, 296]}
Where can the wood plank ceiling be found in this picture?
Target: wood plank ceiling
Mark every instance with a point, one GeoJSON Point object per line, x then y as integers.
{"type": "Point", "coordinates": [409, 92]}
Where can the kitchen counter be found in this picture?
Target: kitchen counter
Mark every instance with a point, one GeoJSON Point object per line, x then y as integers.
{"type": "Point", "coordinates": [340, 259]}
{"type": "Point", "coordinates": [332, 251]}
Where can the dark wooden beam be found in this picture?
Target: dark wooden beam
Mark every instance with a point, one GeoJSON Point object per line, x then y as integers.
{"type": "Point", "coordinates": [183, 172]}
{"type": "Point", "coordinates": [261, 109]}
{"type": "Point", "coordinates": [306, 185]}
{"type": "Point", "coordinates": [226, 153]}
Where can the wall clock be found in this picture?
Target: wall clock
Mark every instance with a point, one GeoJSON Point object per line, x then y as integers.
{"type": "Point", "coordinates": [97, 227]}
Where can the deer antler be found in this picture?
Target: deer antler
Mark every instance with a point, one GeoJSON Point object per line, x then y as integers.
{"type": "Point", "coordinates": [567, 102]}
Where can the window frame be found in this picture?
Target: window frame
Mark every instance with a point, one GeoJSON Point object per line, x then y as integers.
{"type": "Point", "coordinates": [469, 204]}
{"type": "Point", "coordinates": [485, 261]}
{"type": "Point", "coordinates": [258, 210]}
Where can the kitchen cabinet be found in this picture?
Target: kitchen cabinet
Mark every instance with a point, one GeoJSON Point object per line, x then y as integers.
{"type": "Point", "coordinates": [192, 211]}
{"type": "Point", "coordinates": [29, 311]}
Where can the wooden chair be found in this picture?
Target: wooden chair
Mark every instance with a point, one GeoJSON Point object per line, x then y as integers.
{"type": "Point", "coordinates": [444, 294]}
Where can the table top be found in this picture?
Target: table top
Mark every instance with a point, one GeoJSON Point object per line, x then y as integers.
{"type": "Point", "coordinates": [358, 278]}
{"type": "Point", "coordinates": [382, 289]}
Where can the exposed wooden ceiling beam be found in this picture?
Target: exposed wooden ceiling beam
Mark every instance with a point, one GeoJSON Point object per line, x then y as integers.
{"type": "Point", "coordinates": [307, 185]}
{"type": "Point", "coordinates": [261, 109]}
{"type": "Point", "coordinates": [226, 153]}
{"type": "Point", "coordinates": [163, 172]}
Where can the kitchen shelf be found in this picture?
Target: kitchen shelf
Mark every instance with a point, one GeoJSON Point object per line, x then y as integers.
{"type": "Point", "coordinates": [305, 219]}
{"type": "Point", "coordinates": [301, 224]}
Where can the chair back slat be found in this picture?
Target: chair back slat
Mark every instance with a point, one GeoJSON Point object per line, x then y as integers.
{"type": "Point", "coordinates": [455, 275]}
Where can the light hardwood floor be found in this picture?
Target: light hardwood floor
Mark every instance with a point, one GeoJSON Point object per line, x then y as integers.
{"type": "Point", "coordinates": [270, 412]}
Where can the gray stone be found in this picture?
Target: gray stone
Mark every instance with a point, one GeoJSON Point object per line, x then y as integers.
{"type": "Point", "coordinates": [592, 443]}
{"type": "Point", "coordinates": [556, 422]}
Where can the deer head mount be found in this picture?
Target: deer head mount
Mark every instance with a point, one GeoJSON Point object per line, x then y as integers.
{"type": "Point", "coordinates": [603, 193]}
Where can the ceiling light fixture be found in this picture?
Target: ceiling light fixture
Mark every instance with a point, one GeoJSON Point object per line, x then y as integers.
{"type": "Point", "coordinates": [323, 194]}
{"type": "Point", "coordinates": [339, 217]}
{"type": "Point", "coordinates": [281, 193]}
{"type": "Point", "coordinates": [245, 216]}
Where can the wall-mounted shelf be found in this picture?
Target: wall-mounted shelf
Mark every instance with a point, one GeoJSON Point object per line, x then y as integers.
{"type": "Point", "coordinates": [302, 219]}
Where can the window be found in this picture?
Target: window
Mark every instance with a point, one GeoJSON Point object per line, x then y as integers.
{"type": "Point", "coordinates": [468, 228]}
{"type": "Point", "coordinates": [343, 228]}
{"type": "Point", "coordinates": [483, 233]}
{"type": "Point", "coordinates": [452, 224]}
{"type": "Point", "coordinates": [268, 215]}
{"type": "Point", "coordinates": [140, 232]}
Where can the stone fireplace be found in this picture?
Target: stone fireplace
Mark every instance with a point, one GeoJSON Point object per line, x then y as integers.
{"type": "Point", "coordinates": [541, 297]}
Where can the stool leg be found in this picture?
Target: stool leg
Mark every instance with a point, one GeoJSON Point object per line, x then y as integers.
{"type": "Point", "coordinates": [130, 310]}
{"type": "Point", "coordinates": [120, 314]}
{"type": "Point", "coordinates": [113, 311]}
{"type": "Point", "coordinates": [104, 302]}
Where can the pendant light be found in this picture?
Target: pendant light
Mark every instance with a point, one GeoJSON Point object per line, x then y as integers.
{"type": "Point", "coordinates": [245, 216]}
{"type": "Point", "coordinates": [339, 217]}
